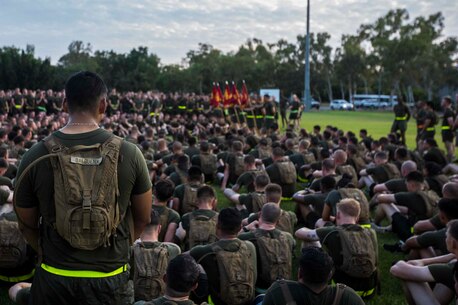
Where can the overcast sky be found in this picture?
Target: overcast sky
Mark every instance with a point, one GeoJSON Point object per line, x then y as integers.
{"type": "Point", "coordinates": [170, 28]}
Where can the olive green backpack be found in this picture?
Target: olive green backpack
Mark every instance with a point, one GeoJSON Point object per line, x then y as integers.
{"type": "Point", "coordinates": [86, 190]}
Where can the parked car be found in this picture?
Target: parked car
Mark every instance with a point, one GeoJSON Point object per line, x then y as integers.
{"type": "Point", "coordinates": [340, 105]}
{"type": "Point", "coordinates": [314, 104]}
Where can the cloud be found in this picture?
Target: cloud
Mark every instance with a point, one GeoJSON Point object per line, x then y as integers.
{"type": "Point", "coordinates": [170, 28]}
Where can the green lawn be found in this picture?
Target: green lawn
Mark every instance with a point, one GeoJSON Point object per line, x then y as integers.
{"type": "Point", "coordinates": [378, 124]}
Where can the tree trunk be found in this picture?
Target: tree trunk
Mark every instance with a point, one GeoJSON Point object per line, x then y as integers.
{"type": "Point", "coordinates": [329, 88]}
{"type": "Point", "coordinates": [350, 91]}
{"type": "Point", "coordinates": [342, 91]}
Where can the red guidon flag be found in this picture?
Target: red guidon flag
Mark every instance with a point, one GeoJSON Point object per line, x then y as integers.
{"type": "Point", "coordinates": [219, 95]}
{"type": "Point", "coordinates": [244, 95]}
{"type": "Point", "coordinates": [227, 99]}
{"type": "Point", "coordinates": [214, 97]}
{"type": "Point", "coordinates": [235, 95]}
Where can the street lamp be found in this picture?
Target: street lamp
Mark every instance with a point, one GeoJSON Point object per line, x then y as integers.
{"type": "Point", "coordinates": [307, 95]}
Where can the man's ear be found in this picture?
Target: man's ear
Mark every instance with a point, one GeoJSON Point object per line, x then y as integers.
{"type": "Point", "coordinates": [65, 105]}
{"type": "Point", "coordinates": [103, 105]}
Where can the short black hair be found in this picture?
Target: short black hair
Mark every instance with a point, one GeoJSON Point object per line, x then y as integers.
{"type": "Point", "coordinates": [182, 273]}
{"type": "Point", "coordinates": [262, 180]}
{"type": "Point", "coordinates": [230, 221]}
{"type": "Point", "coordinates": [315, 265]}
{"type": "Point", "coordinates": [449, 207]}
{"type": "Point", "coordinates": [163, 189]}
{"type": "Point", "coordinates": [415, 176]}
{"type": "Point", "coordinates": [83, 91]}
{"type": "Point", "coordinates": [205, 193]}
{"type": "Point", "coordinates": [327, 183]}
{"type": "Point", "coordinates": [194, 173]}
{"type": "Point", "coordinates": [249, 159]}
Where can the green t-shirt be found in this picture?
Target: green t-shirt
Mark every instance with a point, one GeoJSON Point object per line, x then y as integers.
{"type": "Point", "coordinates": [435, 239]}
{"type": "Point", "coordinates": [171, 216]}
{"type": "Point", "coordinates": [396, 185]}
{"type": "Point", "coordinates": [443, 274]}
{"type": "Point", "coordinates": [36, 191]}
{"type": "Point", "coordinates": [304, 295]}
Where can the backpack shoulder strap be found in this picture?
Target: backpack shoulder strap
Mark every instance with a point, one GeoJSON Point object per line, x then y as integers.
{"type": "Point", "coordinates": [286, 293]}
{"type": "Point", "coordinates": [340, 288]}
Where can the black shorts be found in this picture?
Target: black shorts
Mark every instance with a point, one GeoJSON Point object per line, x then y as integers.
{"type": "Point", "coordinates": [447, 136]}
{"type": "Point", "coordinates": [50, 289]}
{"type": "Point", "coordinates": [311, 219]}
{"type": "Point", "coordinates": [401, 226]}
{"type": "Point", "coordinates": [399, 125]}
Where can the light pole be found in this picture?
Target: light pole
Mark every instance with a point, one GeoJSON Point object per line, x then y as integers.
{"type": "Point", "coordinates": [307, 96]}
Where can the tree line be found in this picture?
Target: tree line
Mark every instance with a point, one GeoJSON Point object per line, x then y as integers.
{"type": "Point", "coordinates": [394, 54]}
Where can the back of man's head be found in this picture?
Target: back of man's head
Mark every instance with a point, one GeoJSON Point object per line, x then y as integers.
{"type": "Point", "coordinates": [270, 213]}
{"type": "Point", "coordinates": [205, 194]}
{"type": "Point", "coordinates": [327, 183]}
{"type": "Point", "coordinates": [415, 176]}
{"type": "Point", "coordinates": [278, 152]}
{"type": "Point", "coordinates": [83, 91]}
{"type": "Point", "coordinates": [349, 207]}
{"type": "Point", "coordinates": [204, 146]}
{"type": "Point", "coordinates": [408, 167]}
{"type": "Point", "coordinates": [182, 275]}
{"type": "Point", "coordinates": [328, 164]}
{"type": "Point", "coordinates": [273, 193]}
{"type": "Point", "coordinates": [163, 190]}
{"type": "Point", "coordinates": [261, 181]}
{"type": "Point", "coordinates": [249, 160]}
{"type": "Point", "coordinates": [194, 173]}
{"type": "Point", "coordinates": [315, 266]}
{"type": "Point", "coordinates": [450, 190]}
{"type": "Point", "coordinates": [229, 221]}
{"type": "Point", "coordinates": [449, 208]}
{"type": "Point", "coordinates": [237, 146]}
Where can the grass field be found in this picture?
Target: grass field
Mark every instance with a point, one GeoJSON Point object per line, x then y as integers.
{"type": "Point", "coordinates": [378, 124]}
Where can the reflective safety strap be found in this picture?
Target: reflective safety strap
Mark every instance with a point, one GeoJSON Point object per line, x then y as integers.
{"type": "Point", "coordinates": [287, 198]}
{"type": "Point", "coordinates": [269, 117]}
{"type": "Point", "coordinates": [366, 226]}
{"type": "Point", "coordinates": [259, 116]}
{"type": "Point", "coordinates": [362, 294]}
{"type": "Point", "coordinates": [447, 127]}
{"type": "Point", "coordinates": [152, 113]}
{"type": "Point", "coordinates": [300, 179]}
{"type": "Point", "coordinates": [190, 110]}
{"type": "Point", "coordinates": [182, 107]}
{"type": "Point", "coordinates": [365, 294]}
{"type": "Point", "coordinates": [294, 111]}
{"type": "Point", "coordinates": [430, 129]}
{"type": "Point", "coordinates": [16, 279]}
{"type": "Point", "coordinates": [18, 106]}
{"type": "Point", "coordinates": [250, 116]}
{"type": "Point", "coordinates": [41, 108]}
{"type": "Point", "coordinates": [401, 118]}
{"type": "Point", "coordinates": [83, 273]}
{"type": "Point", "coordinates": [210, 301]}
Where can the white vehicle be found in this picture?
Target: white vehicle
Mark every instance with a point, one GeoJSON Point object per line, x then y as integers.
{"type": "Point", "coordinates": [374, 101]}
{"type": "Point", "coordinates": [340, 105]}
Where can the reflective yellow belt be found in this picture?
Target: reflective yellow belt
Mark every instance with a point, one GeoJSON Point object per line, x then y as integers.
{"type": "Point", "coordinates": [242, 113]}
{"type": "Point", "coordinates": [430, 129]}
{"type": "Point", "coordinates": [190, 110]}
{"type": "Point", "coordinates": [152, 113]}
{"type": "Point", "coordinates": [293, 111]}
{"type": "Point", "coordinates": [286, 198]}
{"type": "Point", "coordinates": [18, 106]}
{"type": "Point", "coordinates": [182, 107]}
{"type": "Point", "coordinates": [259, 116]}
{"type": "Point", "coordinates": [401, 118]}
{"type": "Point", "coordinates": [83, 273]}
{"type": "Point", "coordinates": [250, 116]}
{"type": "Point", "coordinates": [269, 117]}
{"type": "Point", "coordinates": [445, 127]}
{"type": "Point", "coordinates": [366, 226]}
{"type": "Point", "coordinates": [17, 279]}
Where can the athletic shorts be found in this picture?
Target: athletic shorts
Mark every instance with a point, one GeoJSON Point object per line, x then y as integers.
{"type": "Point", "coordinates": [401, 226]}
